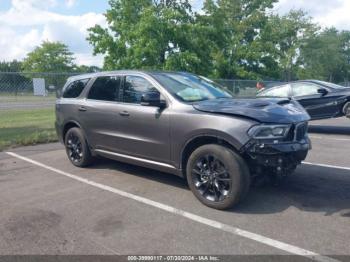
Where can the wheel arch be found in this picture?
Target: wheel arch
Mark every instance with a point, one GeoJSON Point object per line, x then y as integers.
{"type": "Point", "coordinates": [200, 140]}
{"type": "Point", "coordinates": [70, 124]}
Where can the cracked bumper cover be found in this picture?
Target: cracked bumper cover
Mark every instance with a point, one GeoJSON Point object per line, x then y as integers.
{"type": "Point", "coordinates": [281, 156]}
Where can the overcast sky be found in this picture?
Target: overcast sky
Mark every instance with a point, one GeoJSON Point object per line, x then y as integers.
{"type": "Point", "coordinates": [24, 24]}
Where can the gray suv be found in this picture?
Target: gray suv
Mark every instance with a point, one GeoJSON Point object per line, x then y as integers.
{"type": "Point", "coordinates": [183, 124]}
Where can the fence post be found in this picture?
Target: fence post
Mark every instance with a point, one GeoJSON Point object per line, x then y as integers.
{"type": "Point", "coordinates": [14, 84]}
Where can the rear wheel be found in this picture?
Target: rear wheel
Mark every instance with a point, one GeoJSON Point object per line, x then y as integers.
{"type": "Point", "coordinates": [77, 148]}
{"type": "Point", "coordinates": [217, 176]}
{"type": "Point", "coordinates": [346, 109]}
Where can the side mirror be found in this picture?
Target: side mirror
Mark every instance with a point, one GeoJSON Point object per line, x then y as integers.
{"type": "Point", "coordinates": [152, 99]}
{"type": "Point", "coordinates": [322, 91]}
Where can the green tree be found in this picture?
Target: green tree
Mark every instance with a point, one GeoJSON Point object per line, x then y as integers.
{"type": "Point", "coordinates": [233, 27]}
{"type": "Point", "coordinates": [9, 82]}
{"type": "Point", "coordinates": [12, 66]}
{"type": "Point", "coordinates": [283, 37]}
{"type": "Point", "coordinates": [87, 69]}
{"type": "Point", "coordinates": [227, 39]}
{"type": "Point", "coordinates": [147, 34]}
{"type": "Point", "coordinates": [49, 57]}
{"type": "Point", "coordinates": [327, 56]}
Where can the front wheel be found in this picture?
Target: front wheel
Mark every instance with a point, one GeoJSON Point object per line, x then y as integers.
{"type": "Point", "coordinates": [77, 148]}
{"type": "Point", "coordinates": [217, 176]}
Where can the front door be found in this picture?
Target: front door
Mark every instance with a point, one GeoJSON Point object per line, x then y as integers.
{"type": "Point", "coordinates": [143, 130]}
{"type": "Point", "coordinates": [316, 104]}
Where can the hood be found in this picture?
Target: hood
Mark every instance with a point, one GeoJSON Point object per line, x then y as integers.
{"type": "Point", "coordinates": [265, 110]}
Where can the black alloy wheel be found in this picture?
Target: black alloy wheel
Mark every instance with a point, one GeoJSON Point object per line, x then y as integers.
{"type": "Point", "coordinates": [74, 148]}
{"type": "Point", "coordinates": [211, 178]}
{"type": "Point", "coordinates": [77, 148]}
{"type": "Point", "coordinates": [217, 176]}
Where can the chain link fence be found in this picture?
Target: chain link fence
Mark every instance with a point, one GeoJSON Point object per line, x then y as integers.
{"type": "Point", "coordinates": [245, 88]}
{"type": "Point", "coordinates": [17, 90]}
{"type": "Point", "coordinates": [21, 84]}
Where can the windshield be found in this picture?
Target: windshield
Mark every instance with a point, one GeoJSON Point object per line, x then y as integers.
{"type": "Point", "coordinates": [331, 85]}
{"type": "Point", "coordinates": [191, 88]}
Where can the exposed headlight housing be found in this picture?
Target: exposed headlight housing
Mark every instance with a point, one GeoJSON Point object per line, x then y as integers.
{"type": "Point", "coordinates": [269, 131]}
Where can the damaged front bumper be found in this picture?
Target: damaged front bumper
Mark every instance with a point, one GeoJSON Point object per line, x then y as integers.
{"type": "Point", "coordinates": [275, 157]}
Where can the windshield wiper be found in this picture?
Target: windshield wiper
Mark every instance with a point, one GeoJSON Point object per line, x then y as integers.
{"type": "Point", "coordinates": [224, 97]}
{"type": "Point", "coordinates": [199, 100]}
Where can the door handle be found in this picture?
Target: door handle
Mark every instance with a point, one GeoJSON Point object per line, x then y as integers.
{"type": "Point", "coordinates": [82, 108]}
{"type": "Point", "coordinates": [124, 113]}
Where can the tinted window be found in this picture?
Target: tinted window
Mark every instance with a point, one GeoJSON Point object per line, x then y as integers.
{"type": "Point", "coordinates": [74, 89]}
{"type": "Point", "coordinates": [134, 88]}
{"type": "Point", "coordinates": [281, 91]}
{"type": "Point", "coordinates": [106, 88]}
{"type": "Point", "coordinates": [304, 89]}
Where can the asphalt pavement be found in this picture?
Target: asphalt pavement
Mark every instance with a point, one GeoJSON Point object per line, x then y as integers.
{"type": "Point", "coordinates": [50, 207]}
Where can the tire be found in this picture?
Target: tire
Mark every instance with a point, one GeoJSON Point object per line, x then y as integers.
{"type": "Point", "coordinates": [222, 185]}
{"type": "Point", "coordinates": [77, 148]}
{"type": "Point", "coordinates": [346, 109]}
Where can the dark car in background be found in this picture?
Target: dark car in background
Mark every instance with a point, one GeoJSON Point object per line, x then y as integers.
{"type": "Point", "coordinates": [320, 99]}
{"type": "Point", "coordinates": [182, 124]}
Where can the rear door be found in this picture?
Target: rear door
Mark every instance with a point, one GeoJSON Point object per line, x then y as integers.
{"type": "Point", "coordinates": [316, 104]}
{"type": "Point", "coordinates": [143, 130]}
{"type": "Point", "coordinates": [99, 113]}
{"type": "Point", "coordinates": [67, 106]}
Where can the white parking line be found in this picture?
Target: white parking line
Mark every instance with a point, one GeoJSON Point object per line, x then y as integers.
{"type": "Point", "coordinates": [202, 220]}
{"type": "Point", "coordinates": [324, 165]}
{"type": "Point", "coordinates": [328, 137]}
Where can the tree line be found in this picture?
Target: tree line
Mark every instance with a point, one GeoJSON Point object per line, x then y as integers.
{"type": "Point", "coordinates": [49, 57]}
{"type": "Point", "coordinates": [232, 39]}
{"type": "Point", "coordinates": [227, 39]}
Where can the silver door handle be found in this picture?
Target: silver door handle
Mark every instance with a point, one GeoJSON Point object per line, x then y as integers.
{"type": "Point", "coordinates": [82, 108]}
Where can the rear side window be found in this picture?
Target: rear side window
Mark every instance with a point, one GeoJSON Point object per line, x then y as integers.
{"type": "Point", "coordinates": [74, 89]}
{"type": "Point", "coordinates": [106, 88]}
{"type": "Point", "coordinates": [281, 91]}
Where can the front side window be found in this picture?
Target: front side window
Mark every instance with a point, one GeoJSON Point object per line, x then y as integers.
{"type": "Point", "coordinates": [191, 88]}
{"type": "Point", "coordinates": [74, 89]}
{"type": "Point", "coordinates": [106, 88]}
{"type": "Point", "coordinates": [281, 91]}
{"type": "Point", "coordinates": [135, 87]}
{"type": "Point", "coordinates": [305, 89]}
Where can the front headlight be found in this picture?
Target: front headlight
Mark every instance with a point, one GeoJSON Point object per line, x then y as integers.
{"type": "Point", "coordinates": [269, 131]}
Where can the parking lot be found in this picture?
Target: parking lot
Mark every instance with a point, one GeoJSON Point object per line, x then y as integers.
{"type": "Point", "coordinates": [50, 207]}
